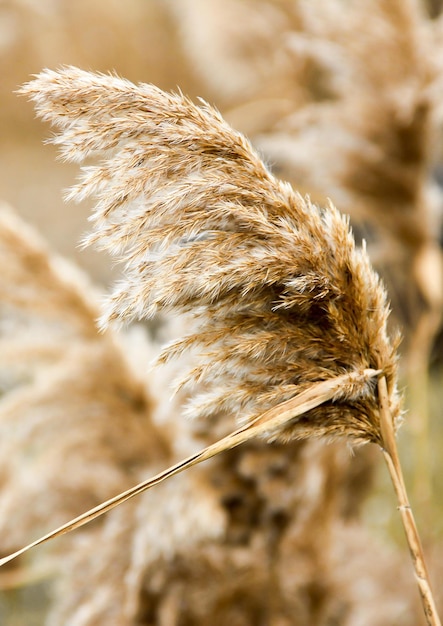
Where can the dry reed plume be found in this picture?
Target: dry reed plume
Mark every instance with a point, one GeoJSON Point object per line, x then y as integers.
{"type": "Point", "coordinates": [280, 301]}
{"type": "Point", "coordinates": [277, 293]}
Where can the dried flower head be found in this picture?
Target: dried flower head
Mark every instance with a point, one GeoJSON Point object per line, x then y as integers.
{"type": "Point", "coordinates": [277, 293]}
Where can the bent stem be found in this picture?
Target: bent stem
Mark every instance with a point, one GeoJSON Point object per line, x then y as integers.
{"type": "Point", "coordinates": [266, 423]}
{"type": "Point", "coordinates": [392, 459]}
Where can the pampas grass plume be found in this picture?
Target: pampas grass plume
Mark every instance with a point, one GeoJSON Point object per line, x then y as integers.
{"type": "Point", "coordinates": [277, 295]}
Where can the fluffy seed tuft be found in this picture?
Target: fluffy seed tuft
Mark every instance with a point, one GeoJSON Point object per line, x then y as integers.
{"type": "Point", "coordinates": [277, 294]}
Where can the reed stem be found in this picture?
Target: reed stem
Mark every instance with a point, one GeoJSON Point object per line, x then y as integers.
{"type": "Point", "coordinates": [267, 422]}
{"type": "Point", "coordinates": [392, 459]}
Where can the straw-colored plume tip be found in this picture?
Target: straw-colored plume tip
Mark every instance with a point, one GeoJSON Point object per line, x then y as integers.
{"type": "Point", "coordinates": [277, 295]}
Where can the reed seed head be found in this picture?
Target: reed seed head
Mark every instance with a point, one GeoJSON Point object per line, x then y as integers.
{"type": "Point", "coordinates": [276, 293]}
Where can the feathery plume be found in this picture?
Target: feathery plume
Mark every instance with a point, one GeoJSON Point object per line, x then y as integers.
{"type": "Point", "coordinates": [277, 293]}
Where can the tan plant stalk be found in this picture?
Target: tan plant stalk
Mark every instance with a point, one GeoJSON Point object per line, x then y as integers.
{"type": "Point", "coordinates": [279, 300]}
{"type": "Point", "coordinates": [265, 424]}
{"type": "Point", "coordinates": [393, 462]}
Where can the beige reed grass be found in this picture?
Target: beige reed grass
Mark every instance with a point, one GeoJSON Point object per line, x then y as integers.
{"type": "Point", "coordinates": [287, 317]}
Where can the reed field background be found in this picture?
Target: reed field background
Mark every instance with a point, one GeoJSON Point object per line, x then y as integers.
{"type": "Point", "coordinates": [343, 99]}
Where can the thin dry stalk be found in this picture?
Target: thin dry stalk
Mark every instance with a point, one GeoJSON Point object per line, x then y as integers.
{"type": "Point", "coordinates": [274, 419]}
{"type": "Point", "coordinates": [390, 453]}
